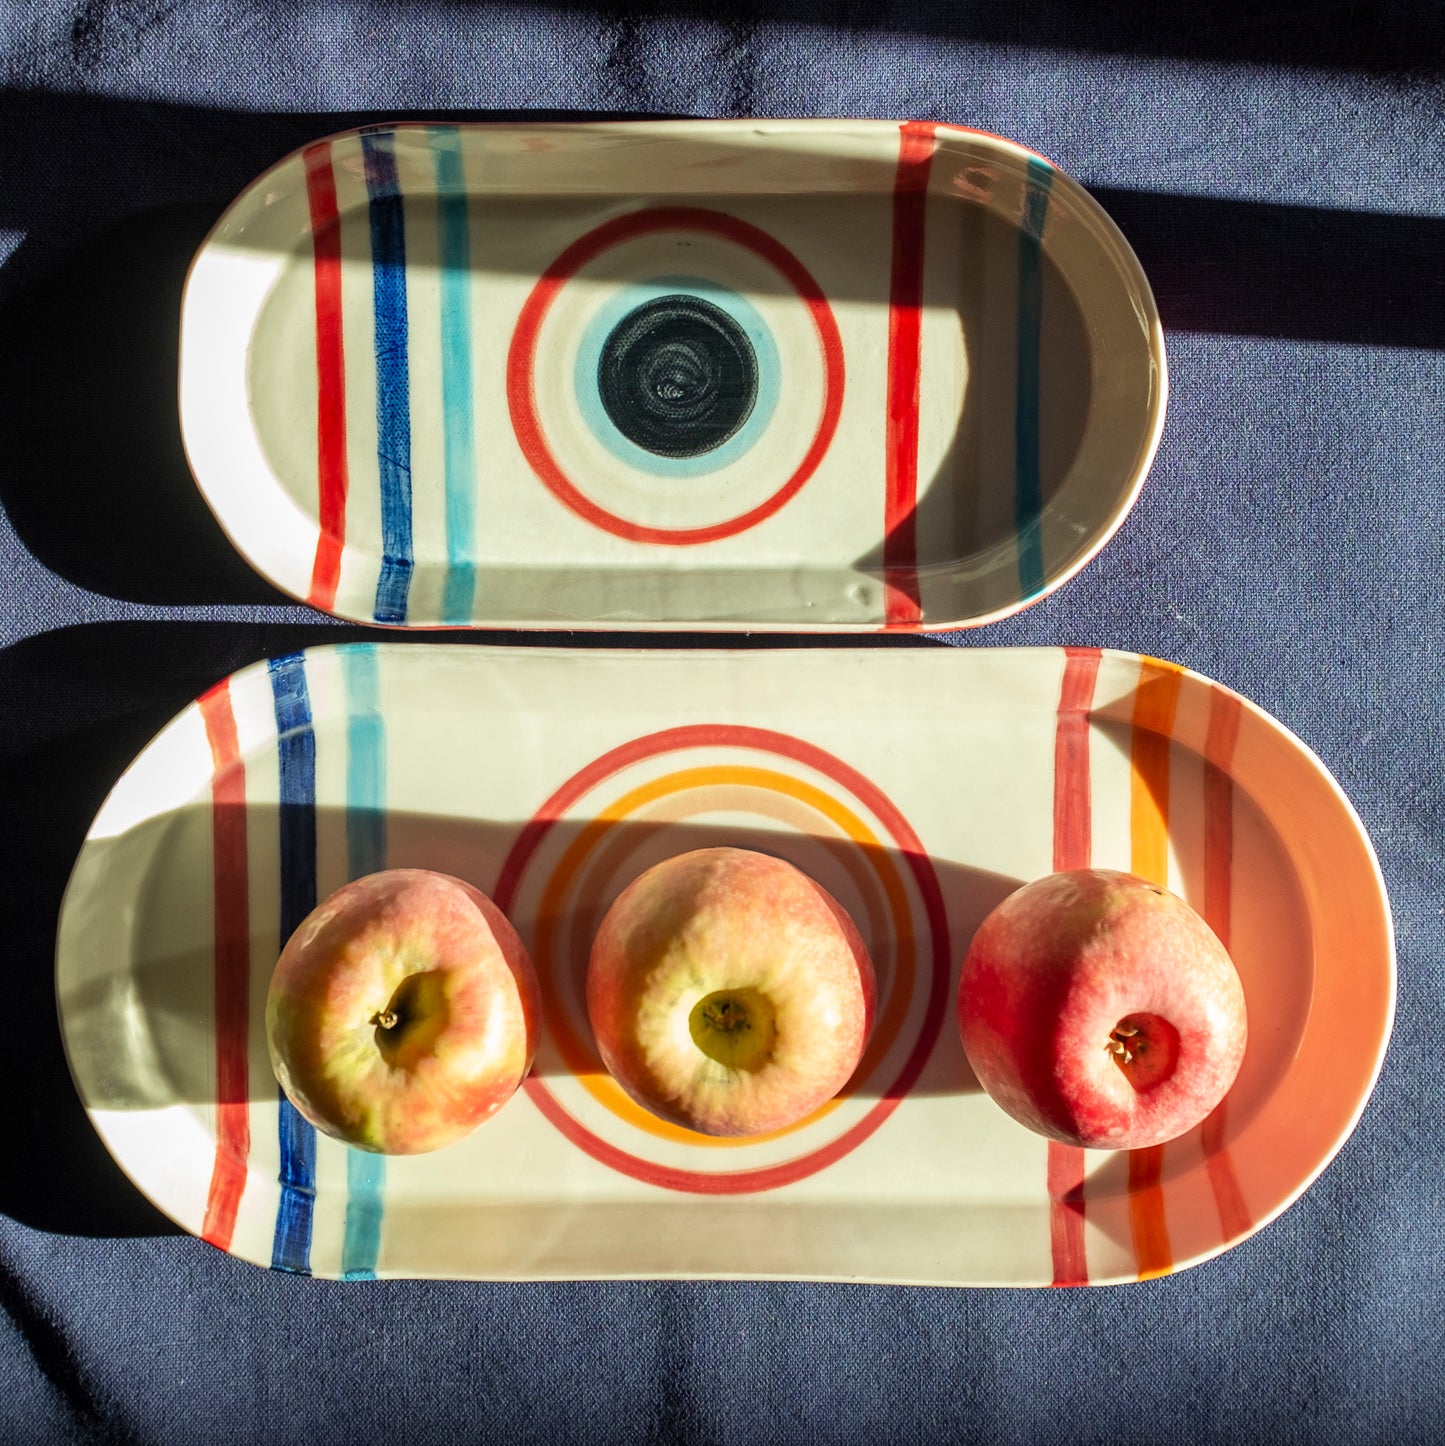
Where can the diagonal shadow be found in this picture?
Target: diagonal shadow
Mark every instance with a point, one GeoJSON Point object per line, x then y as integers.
{"type": "Point", "coordinates": [1246, 268]}
{"type": "Point", "coordinates": [1362, 36]}
{"type": "Point", "coordinates": [94, 478]}
{"type": "Point", "coordinates": [1358, 35]}
{"type": "Point", "coordinates": [76, 707]}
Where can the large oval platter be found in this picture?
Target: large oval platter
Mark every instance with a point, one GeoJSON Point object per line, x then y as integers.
{"type": "Point", "coordinates": [843, 375]}
{"type": "Point", "coordinates": [919, 788]}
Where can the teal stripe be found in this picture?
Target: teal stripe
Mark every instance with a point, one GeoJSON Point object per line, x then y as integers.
{"type": "Point", "coordinates": [365, 761]}
{"type": "Point", "coordinates": [365, 854]}
{"type": "Point", "coordinates": [365, 1179]}
{"type": "Point", "coordinates": [455, 251]}
{"type": "Point", "coordinates": [1028, 502]}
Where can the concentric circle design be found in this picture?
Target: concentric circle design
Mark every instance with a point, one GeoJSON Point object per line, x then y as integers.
{"type": "Point", "coordinates": [628, 341]}
{"type": "Point", "coordinates": [668, 346]}
{"type": "Point", "coordinates": [683, 788]}
{"type": "Point", "coordinates": [677, 376]}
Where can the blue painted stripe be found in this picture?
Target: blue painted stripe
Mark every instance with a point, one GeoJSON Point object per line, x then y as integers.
{"type": "Point", "coordinates": [365, 854]}
{"type": "Point", "coordinates": [393, 379]}
{"type": "Point", "coordinates": [455, 252]}
{"type": "Point", "coordinates": [1027, 499]}
{"type": "Point", "coordinates": [296, 748]}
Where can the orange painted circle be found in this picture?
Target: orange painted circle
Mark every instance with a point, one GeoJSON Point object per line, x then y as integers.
{"type": "Point", "coordinates": [579, 1054]}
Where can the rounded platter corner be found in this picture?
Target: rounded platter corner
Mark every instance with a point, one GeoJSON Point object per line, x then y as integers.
{"type": "Point", "coordinates": [297, 774]}
{"type": "Point", "coordinates": [718, 375]}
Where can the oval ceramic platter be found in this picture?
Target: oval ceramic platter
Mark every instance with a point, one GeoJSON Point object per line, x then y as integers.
{"type": "Point", "coordinates": [843, 375]}
{"type": "Point", "coordinates": [918, 788]}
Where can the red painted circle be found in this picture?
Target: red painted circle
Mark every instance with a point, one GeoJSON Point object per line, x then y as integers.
{"type": "Point", "coordinates": [768, 1177]}
{"type": "Point", "coordinates": [521, 358]}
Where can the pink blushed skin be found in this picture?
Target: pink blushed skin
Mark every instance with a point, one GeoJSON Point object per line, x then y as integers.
{"type": "Point", "coordinates": [1052, 974]}
{"type": "Point", "coordinates": [439, 955]}
{"type": "Point", "coordinates": [729, 920]}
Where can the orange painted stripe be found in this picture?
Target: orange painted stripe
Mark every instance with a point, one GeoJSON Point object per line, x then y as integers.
{"type": "Point", "coordinates": [232, 968]}
{"type": "Point", "coordinates": [1152, 1250]}
{"type": "Point", "coordinates": [1155, 704]}
{"type": "Point", "coordinates": [1222, 734]}
{"type": "Point", "coordinates": [611, 859]}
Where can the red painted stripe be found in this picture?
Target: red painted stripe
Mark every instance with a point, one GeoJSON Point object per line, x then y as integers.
{"type": "Point", "coordinates": [1073, 820]}
{"type": "Point", "coordinates": [1220, 738]}
{"type": "Point", "coordinates": [1066, 1214]}
{"type": "Point", "coordinates": [232, 953]}
{"type": "Point", "coordinates": [1073, 837]}
{"type": "Point", "coordinates": [330, 376]}
{"type": "Point", "coordinates": [905, 362]}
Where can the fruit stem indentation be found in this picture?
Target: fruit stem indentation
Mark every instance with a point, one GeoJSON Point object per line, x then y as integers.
{"type": "Point", "coordinates": [726, 1015]}
{"type": "Point", "coordinates": [1145, 1046]}
{"type": "Point", "coordinates": [413, 1020]}
{"type": "Point", "coordinates": [735, 1027]}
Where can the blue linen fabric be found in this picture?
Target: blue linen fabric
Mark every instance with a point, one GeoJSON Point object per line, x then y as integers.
{"type": "Point", "coordinates": [1282, 176]}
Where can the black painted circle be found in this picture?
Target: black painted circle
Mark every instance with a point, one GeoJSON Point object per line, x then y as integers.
{"type": "Point", "coordinates": [678, 376]}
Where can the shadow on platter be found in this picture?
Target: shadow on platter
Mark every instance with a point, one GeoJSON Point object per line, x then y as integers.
{"type": "Point", "coordinates": [140, 1019]}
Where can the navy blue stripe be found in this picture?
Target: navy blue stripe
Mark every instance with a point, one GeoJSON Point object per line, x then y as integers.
{"type": "Point", "coordinates": [393, 380]}
{"type": "Point", "coordinates": [296, 748]}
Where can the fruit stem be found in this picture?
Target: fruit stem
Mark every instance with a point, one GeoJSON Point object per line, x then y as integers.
{"type": "Point", "coordinates": [384, 1019]}
{"type": "Point", "coordinates": [1123, 1045]}
{"type": "Point", "coordinates": [727, 1016]}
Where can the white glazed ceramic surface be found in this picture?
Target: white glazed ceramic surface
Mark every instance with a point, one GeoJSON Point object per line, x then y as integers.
{"type": "Point", "coordinates": [843, 375]}
{"type": "Point", "coordinates": [919, 787]}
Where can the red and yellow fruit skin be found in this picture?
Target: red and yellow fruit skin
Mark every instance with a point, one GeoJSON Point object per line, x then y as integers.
{"type": "Point", "coordinates": [727, 919]}
{"type": "Point", "coordinates": [1057, 967]}
{"type": "Point", "coordinates": [472, 1016]}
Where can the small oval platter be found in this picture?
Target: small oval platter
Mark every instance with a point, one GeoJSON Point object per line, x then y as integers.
{"type": "Point", "coordinates": [919, 788]}
{"type": "Point", "coordinates": [842, 375]}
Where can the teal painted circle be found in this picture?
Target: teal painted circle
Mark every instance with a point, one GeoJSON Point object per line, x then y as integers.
{"type": "Point", "coordinates": [611, 315]}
